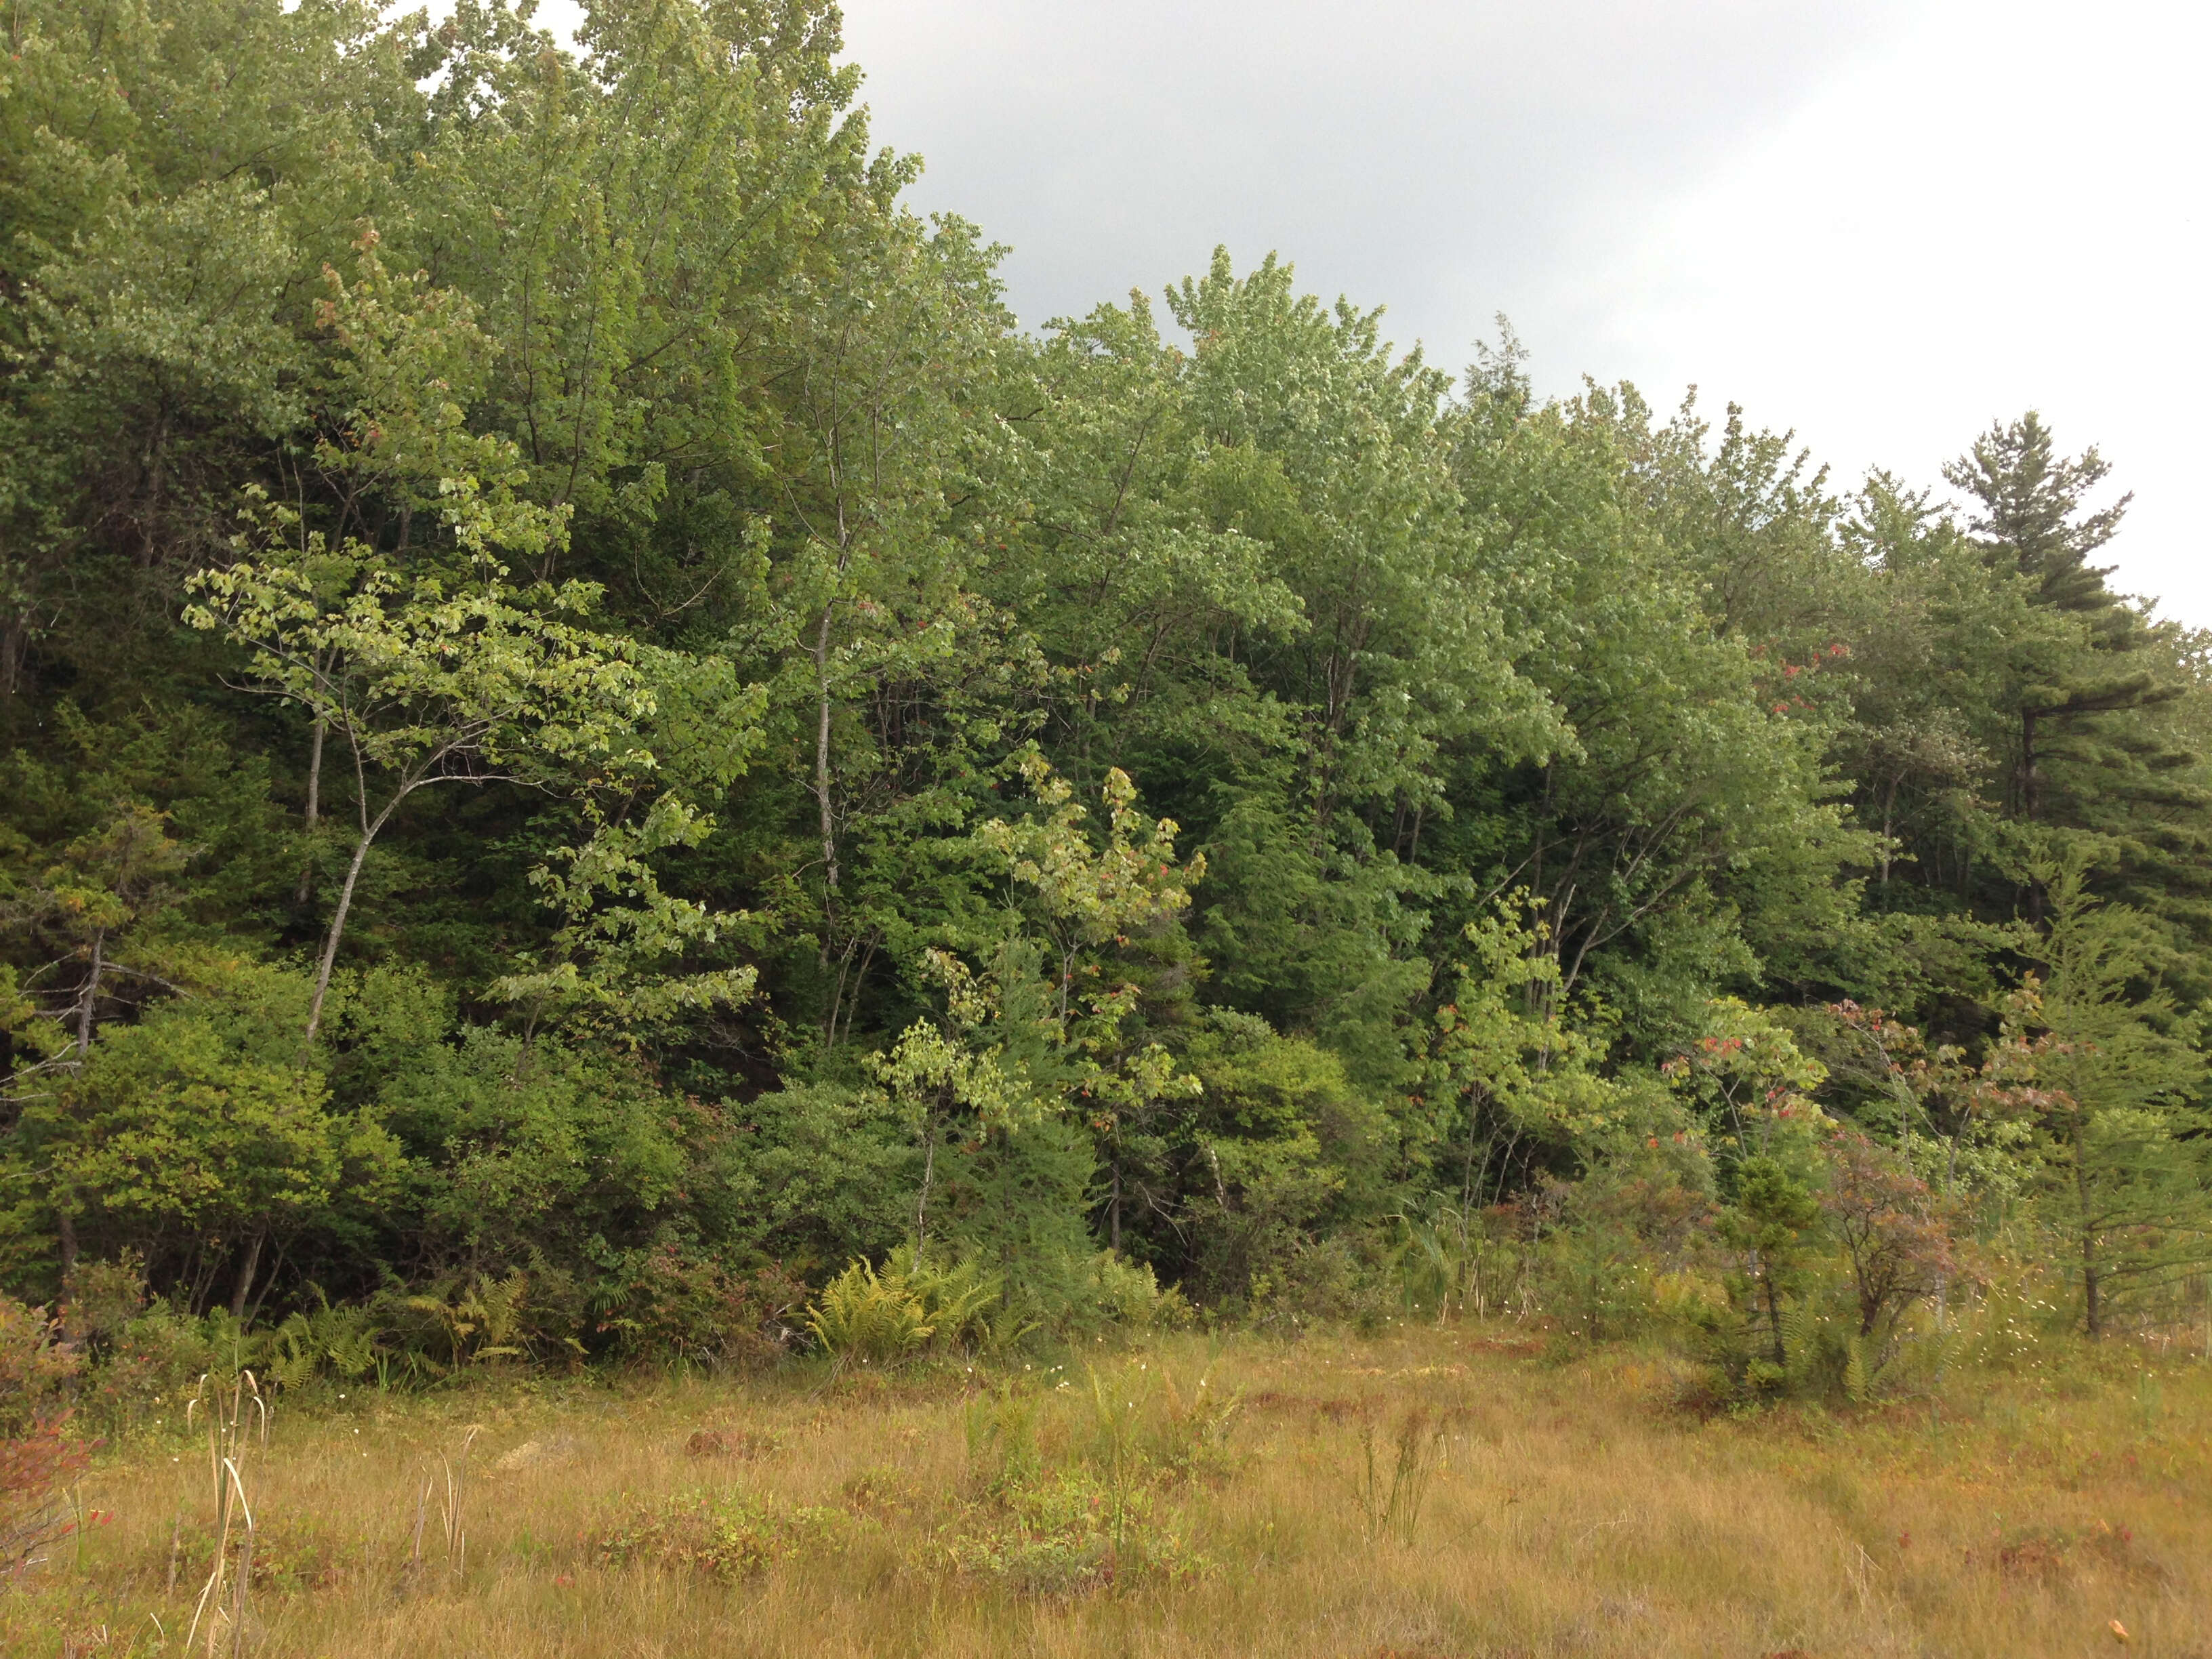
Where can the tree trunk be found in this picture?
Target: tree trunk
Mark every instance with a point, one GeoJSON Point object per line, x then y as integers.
{"type": "Point", "coordinates": [85, 1008]}
{"type": "Point", "coordinates": [65, 1227]}
{"type": "Point", "coordinates": [314, 812]}
{"type": "Point", "coordinates": [1773, 1314]}
{"type": "Point", "coordinates": [15, 651]}
{"type": "Point", "coordinates": [2031, 802]}
{"type": "Point", "coordinates": [2092, 1311]}
{"type": "Point", "coordinates": [822, 781]}
{"type": "Point", "coordinates": [929, 1172]}
{"type": "Point", "coordinates": [1888, 816]}
{"type": "Point", "coordinates": [2092, 1290]}
{"type": "Point", "coordinates": [246, 1273]}
{"type": "Point", "coordinates": [1114, 1207]}
{"type": "Point", "coordinates": [339, 919]}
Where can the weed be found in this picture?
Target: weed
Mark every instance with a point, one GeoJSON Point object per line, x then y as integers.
{"type": "Point", "coordinates": [862, 1318]}
{"type": "Point", "coordinates": [1389, 1503]}
{"type": "Point", "coordinates": [1003, 1450]}
{"type": "Point", "coordinates": [233, 1433]}
{"type": "Point", "coordinates": [719, 1534]}
{"type": "Point", "coordinates": [874, 1318]}
{"type": "Point", "coordinates": [876, 1490]}
{"type": "Point", "coordinates": [749, 1445]}
{"type": "Point", "coordinates": [1065, 1534]}
{"type": "Point", "coordinates": [36, 1474]}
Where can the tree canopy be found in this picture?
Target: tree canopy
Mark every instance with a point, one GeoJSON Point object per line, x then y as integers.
{"type": "Point", "coordinates": [1195, 782]}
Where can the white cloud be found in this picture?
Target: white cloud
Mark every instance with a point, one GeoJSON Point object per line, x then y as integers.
{"type": "Point", "coordinates": [2004, 209]}
{"type": "Point", "coordinates": [1884, 222]}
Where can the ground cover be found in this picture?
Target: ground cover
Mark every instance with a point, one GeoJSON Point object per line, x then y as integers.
{"type": "Point", "coordinates": [1453, 1491]}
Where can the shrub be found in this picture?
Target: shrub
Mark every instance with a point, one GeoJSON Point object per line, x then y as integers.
{"type": "Point", "coordinates": [704, 1313]}
{"type": "Point", "coordinates": [1891, 1229]}
{"type": "Point", "coordinates": [724, 1535]}
{"type": "Point", "coordinates": [37, 1464]}
{"type": "Point", "coordinates": [341, 1341]}
{"type": "Point", "coordinates": [101, 1299]}
{"type": "Point", "coordinates": [1338, 1279]}
{"type": "Point", "coordinates": [875, 1318]}
{"type": "Point", "coordinates": [37, 1371]}
{"type": "Point", "coordinates": [1065, 1533]}
{"type": "Point", "coordinates": [862, 1316]}
{"type": "Point", "coordinates": [35, 1470]}
{"type": "Point", "coordinates": [1127, 1294]}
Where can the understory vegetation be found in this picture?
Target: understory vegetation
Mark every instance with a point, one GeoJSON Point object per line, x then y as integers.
{"type": "Point", "coordinates": [607, 771]}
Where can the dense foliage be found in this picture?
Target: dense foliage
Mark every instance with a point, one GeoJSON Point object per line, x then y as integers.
{"type": "Point", "coordinates": [592, 733]}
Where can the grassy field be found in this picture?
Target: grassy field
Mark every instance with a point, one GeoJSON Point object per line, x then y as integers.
{"type": "Point", "coordinates": [1431, 1492]}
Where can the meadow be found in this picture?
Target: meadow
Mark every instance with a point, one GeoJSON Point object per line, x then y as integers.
{"type": "Point", "coordinates": [1433, 1491]}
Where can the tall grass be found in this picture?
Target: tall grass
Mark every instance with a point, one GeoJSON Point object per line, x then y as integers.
{"type": "Point", "coordinates": [1434, 1491]}
{"type": "Point", "coordinates": [236, 1420]}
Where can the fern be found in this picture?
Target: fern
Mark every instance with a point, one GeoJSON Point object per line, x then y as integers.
{"type": "Point", "coordinates": [861, 1315]}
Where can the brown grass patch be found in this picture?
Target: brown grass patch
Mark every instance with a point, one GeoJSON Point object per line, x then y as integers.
{"type": "Point", "coordinates": [1569, 1511]}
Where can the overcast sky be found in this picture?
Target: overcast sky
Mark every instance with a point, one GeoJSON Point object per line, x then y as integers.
{"type": "Point", "coordinates": [1884, 224]}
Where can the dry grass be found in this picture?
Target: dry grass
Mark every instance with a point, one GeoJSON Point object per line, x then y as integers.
{"type": "Point", "coordinates": [1570, 1509]}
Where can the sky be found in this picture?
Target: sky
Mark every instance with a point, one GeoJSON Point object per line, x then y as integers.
{"type": "Point", "coordinates": [1882, 223]}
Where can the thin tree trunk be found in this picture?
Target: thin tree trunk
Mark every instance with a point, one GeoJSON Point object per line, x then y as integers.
{"type": "Point", "coordinates": [921, 1204]}
{"type": "Point", "coordinates": [1888, 816]}
{"type": "Point", "coordinates": [246, 1273]}
{"type": "Point", "coordinates": [2092, 1289]}
{"type": "Point", "coordinates": [338, 916]}
{"type": "Point", "coordinates": [314, 810]}
{"type": "Point", "coordinates": [822, 784]}
{"type": "Point", "coordinates": [268, 1283]}
{"type": "Point", "coordinates": [85, 1007]}
{"type": "Point", "coordinates": [1773, 1313]}
{"type": "Point", "coordinates": [2031, 802]}
{"type": "Point", "coordinates": [15, 651]}
{"type": "Point", "coordinates": [65, 1222]}
{"type": "Point", "coordinates": [2091, 1300]}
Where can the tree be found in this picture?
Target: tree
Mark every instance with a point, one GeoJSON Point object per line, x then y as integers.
{"type": "Point", "coordinates": [1525, 1081]}
{"type": "Point", "coordinates": [1890, 1227]}
{"type": "Point", "coordinates": [200, 1135]}
{"type": "Point", "coordinates": [2084, 756]}
{"type": "Point", "coordinates": [426, 683]}
{"type": "Point", "coordinates": [2116, 1070]}
{"type": "Point", "coordinates": [605, 976]}
{"type": "Point", "coordinates": [2033, 516]}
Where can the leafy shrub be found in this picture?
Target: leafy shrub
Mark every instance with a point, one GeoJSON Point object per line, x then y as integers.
{"type": "Point", "coordinates": [37, 1373]}
{"type": "Point", "coordinates": [35, 1470]}
{"type": "Point", "coordinates": [704, 1313]}
{"type": "Point", "coordinates": [1338, 1279]}
{"type": "Point", "coordinates": [338, 1342]}
{"type": "Point", "coordinates": [1067, 1533]}
{"type": "Point", "coordinates": [1606, 1238]}
{"type": "Point", "coordinates": [862, 1317]}
{"type": "Point", "coordinates": [101, 1299]}
{"type": "Point", "coordinates": [721, 1535]}
{"type": "Point", "coordinates": [875, 1318]}
{"type": "Point", "coordinates": [37, 1463]}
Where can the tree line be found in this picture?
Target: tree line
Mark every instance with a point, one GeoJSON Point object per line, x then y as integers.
{"type": "Point", "coordinates": [584, 712]}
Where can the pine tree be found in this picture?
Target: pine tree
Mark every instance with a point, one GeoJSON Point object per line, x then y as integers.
{"type": "Point", "coordinates": [2088, 753]}
{"type": "Point", "coordinates": [2031, 515]}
